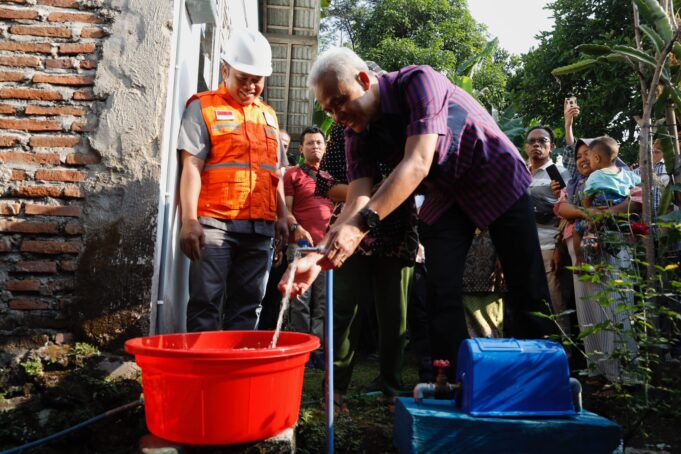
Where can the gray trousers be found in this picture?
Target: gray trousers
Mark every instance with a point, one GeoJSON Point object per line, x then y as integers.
{"type": "Point", "coordinates": [227, 284]}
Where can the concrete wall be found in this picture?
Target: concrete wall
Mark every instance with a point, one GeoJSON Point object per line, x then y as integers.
{"type": "Point", "coordinates": [83, 86]}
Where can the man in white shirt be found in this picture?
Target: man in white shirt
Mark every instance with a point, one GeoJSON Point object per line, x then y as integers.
{"type": "Point", "coordinates": [540, 143]}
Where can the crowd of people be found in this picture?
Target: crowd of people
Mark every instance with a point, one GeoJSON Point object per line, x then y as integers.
{"type": "Point", "coordinates": [439, 229]}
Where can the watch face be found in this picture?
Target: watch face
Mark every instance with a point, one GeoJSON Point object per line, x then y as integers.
{"type": "Point", "coordinates": [370, 217]}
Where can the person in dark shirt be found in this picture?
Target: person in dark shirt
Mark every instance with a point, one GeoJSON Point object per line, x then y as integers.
{"type": "Point", "coordinates": [437, 139]}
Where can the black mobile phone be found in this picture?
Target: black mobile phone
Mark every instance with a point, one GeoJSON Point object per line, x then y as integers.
{"type": "Point", "coordinates": [555, 175]}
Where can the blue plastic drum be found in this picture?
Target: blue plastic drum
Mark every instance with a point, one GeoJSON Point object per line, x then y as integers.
{"type": "Point", "coordinates": [510, 377]}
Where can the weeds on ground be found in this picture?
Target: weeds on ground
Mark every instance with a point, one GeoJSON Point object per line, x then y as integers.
{"type": "Point", "coordinates": [33, 367]}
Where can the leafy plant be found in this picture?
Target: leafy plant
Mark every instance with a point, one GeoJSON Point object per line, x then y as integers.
{"type": "Point", "coordinates": [81, 351]}
{"type": "Point", "coordinates": [33, 367]}
{"type": "Point", "coordinates": [650, 335]}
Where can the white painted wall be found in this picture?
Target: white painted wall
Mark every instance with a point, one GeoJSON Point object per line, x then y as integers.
{"type": "Point", "coordinates": [171, 266]}
{"type": "Point", "coordinates": [172, 293]}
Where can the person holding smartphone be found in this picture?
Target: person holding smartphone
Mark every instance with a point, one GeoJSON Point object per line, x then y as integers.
{"type": "Point", "coordinates": [539, 145]}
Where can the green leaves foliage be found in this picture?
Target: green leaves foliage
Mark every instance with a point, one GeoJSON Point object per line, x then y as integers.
{"type": "Point", "coordinates": [439, 33]}
{"type": "Point", "coordinates": [607, 94]}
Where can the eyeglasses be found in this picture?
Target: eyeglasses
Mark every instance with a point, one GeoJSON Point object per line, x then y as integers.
{"type": "Point", "coordinates": [539, 140]}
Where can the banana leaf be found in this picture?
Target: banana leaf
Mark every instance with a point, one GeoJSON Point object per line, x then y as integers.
{"type": "Point", "coordinates": [321, 119]}
{"type": "Point", "coordinates": [654, 37]}
{"type": "Point", "coordinates": [634, 54]}
{"type": "Point", "coordinates": [575, 67]}
{"type": "Point", "coordinates": [464, 82]}
{"type": "Point", "coordinates": [593, 50]}
{"type": "Point", "coordinates": [466, 69]}
{"type": "Point", "coordinates": [653, 12]}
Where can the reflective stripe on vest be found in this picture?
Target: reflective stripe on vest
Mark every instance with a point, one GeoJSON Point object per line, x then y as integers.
{"type": "Point", "coordinates": [239, 178]}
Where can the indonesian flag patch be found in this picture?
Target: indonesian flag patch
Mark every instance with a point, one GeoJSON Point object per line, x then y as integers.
{"type": "Point", "coordinates": [222, 115]}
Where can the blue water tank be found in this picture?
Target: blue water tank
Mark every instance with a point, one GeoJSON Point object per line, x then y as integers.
{"type": "Point", "coordinates": [510, 377]}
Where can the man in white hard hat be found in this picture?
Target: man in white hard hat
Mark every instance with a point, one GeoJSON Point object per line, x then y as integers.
{"type": "Point", "coordinates": [231, 193]}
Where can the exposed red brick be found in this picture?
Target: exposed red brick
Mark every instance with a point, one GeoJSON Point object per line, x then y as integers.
{"type": "Point", "coordinates": [88, 64]}
{"type": "Point", "coordinates": [51, 247]}
{"type": "Point", "coordinates": [59, 63]}
{"type": "Point", "coordinates": [79, 126]}
{"type": "Point", "coordinates": [59, 285]}
{"type": "Point", "coordinates": [27, 304]}
{"type": "Point", "coordinates": [41, 48]}
{"type": "Point", "coordinates": [73, 228]}
{"type": "Point", "coordinates": [37, 191]}
{"type": "Point", "coordinates": [63, 338]}
{"type": "Point", "coordinates": [36, 266]}
{"type": "Point", "coordinates": [19, 61]}
{"type": "Point", "coordinates": [29, 158]}
{"type": "Point", "coordinates": [23, 285]}
{"type": "Point", "coordinates": [73, 192]}
{"type": "Point", "coordinates": [68, 265]}
{"type": "Point", "coordinates": [60, 175]}
{"type": "Point", "coordinates": [88, 18]}
{"type": "Point", "coordinates": [63, 80]}
{"type": "Point", "coordinates": [29, 93]}
{"type": "Point", "coordinates": [83, 158]}
{"type": "Point", "coordinates": [18, 175]}
{"type": "Point", "coordinates": [60, 3]}
{"type": "Point", "coordinates": [11, 76]}
{"type": "Point", "coordinates": [8, 141]}
{"type": "Point", "coordinates": [56, 110]}
{"type": "Point", "coordinates": [6, 13]}
{"type": "Point", "coordinates": [9, 209]}
{"type": "Point", "coordinates": [84, 95]}
{"type": "Point", "coordinates": [92, 33]}
{"type": "Point", "coordinates": [15, 1]}
{"type": "Point", "coordinates": [30, 125]}
{"type": "Point", "coordinates": [84, 48]}
{"type": "Point", "coordinates": [28, 227]}
{"type": "Point", "coordinates": [53, 210]}
{"type": "Point", "coordinates": [5, 245]}
{"type": "Point", "coordinates": [54, 141]}
{"type": "Point", "coordinates": [39, 30]}
{"type": "Point", "coordinates": [7, 109]}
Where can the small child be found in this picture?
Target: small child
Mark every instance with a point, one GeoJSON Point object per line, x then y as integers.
{"type": "Point", "coordinates": [608, 185]}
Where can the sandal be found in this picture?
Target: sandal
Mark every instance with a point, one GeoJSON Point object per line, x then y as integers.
{"type": "Point", "coordinates": [339, 405]}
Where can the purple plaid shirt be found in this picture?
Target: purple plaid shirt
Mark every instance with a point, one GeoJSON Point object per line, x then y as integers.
{"type": "Point", "coordinates": [477, 167]}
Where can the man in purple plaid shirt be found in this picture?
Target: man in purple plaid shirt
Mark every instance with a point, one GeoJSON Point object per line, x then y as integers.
{"type": "Point", "coordinates": [439, 141]}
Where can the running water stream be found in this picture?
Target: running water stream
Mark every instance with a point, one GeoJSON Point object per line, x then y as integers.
{"type": "Point", "coordinates": [284, 302]}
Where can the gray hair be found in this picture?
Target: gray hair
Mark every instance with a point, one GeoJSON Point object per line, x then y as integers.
{"type": "Point", "coordinates": [339, 61]}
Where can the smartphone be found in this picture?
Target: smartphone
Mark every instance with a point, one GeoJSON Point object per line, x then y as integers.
{"type": "Point", "coordinates": [572, 101]}
{"type": "Point", "coordinates": [555, 175]}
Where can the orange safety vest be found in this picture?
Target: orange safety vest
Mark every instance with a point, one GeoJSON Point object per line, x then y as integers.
{"type": "Point", "coordinates": [239, 178]}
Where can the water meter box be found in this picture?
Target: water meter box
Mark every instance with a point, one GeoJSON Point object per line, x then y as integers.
{"type": "Point", "coordinates": [510, 377]}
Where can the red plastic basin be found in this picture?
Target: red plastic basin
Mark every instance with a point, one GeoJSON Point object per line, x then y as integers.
{"type": "Point", "coordinates": [221, 387]}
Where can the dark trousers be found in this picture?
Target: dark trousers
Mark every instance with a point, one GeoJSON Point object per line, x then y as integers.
{"type": "Point", "coordinates": [354, 283]}
{"type": "Point", "coordinates": [418, 322]}
{"type": "Point", "coordinates": [227, 284]}
{"type": "Point", "coordinates": [514, 235]}
{"type": "Point", "coordinates": [272, 301]}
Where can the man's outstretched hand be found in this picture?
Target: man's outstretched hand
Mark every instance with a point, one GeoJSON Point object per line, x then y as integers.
{"type": "Point", "coordinates": [306, 271]}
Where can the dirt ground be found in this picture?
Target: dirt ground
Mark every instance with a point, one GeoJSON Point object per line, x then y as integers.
{"type": "Point", "coordinates": [45, 390]}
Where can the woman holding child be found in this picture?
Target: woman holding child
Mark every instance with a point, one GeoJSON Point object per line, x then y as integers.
{"type": "Point", "coordinates": [592, 309]}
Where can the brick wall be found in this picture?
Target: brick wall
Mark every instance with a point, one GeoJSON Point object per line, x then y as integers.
{"type": "Point", "coordinates": [49, 51]}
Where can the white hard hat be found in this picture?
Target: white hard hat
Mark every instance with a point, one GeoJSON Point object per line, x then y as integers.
{"type": "Point", "coordinates": [248, 51]}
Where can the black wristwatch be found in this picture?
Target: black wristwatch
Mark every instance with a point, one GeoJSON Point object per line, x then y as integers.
{"type": "Point", "coordinates": [370, 218]}
{"type": "Point", "coordinates": [293, 227]}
